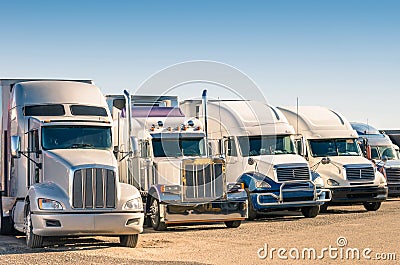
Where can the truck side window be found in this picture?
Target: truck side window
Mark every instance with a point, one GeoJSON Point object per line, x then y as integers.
{"type": "Point", "coordinates": [230, 146]}
{"type": "Point", "coordinates": [299, 146]}
{"type": "Point", "coordinates": [144, 149]}
{"type": "Point", "coordinates": [34, 141]}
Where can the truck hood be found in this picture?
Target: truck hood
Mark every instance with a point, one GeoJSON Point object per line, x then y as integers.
{"type": "Point", "coordinates": [168, 170]}
{"type": "Point", "coordinates": [58, 165]}
{"type": "Point", "coordinates": [77, 157]}
{"type": "Point", "coordinates": [266, 163]}
{"type": "Point", "coordinates": [391, 163]}
{"type": "Point", "coordinates": [345, 160]}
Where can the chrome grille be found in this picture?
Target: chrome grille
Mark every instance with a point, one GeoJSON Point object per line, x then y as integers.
{"type": "Point", "coordinates": [393, 174]}
{"type": "Point", "coordinates": [94, 188]}
{"type": "Point", "coordinates": [293, 173]}
{"type": "Point", "coordinates": [203, 181]}
{"type": "Point", "coordinates": [360, 173]}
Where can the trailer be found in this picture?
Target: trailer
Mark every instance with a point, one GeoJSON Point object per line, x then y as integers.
{"type": "Point", "coordinates": [59, 176]}
{"type": "Point", "coordinates": [165, 155]}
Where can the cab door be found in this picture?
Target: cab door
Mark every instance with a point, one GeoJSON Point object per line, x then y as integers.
{"type": "Point", "coordinates": [234, 167]}
{"type": "Point", "coordinates": [34, 154]}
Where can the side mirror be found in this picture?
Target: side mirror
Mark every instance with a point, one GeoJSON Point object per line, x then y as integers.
{"type": "Point", "coordinates": [384, 159]}
{"type": "Point", "coordinates": [135, 146]}
{"type": "Point", "coordinates": [15, 146]}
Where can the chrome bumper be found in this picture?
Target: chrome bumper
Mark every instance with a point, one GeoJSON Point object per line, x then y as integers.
{"type": "Point", "coordinates": [71, 224]}
{"type": "Point", "coordinates": [217, 214]}
{"type": "Point", "coordinates": [320, 196]}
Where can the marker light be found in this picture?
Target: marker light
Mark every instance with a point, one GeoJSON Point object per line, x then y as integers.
{"type": "Point", "coordinates": [47, 204]}
{"type": "Point", "coordinates": [191, 123]}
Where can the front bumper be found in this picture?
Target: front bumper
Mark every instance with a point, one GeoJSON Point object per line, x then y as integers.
{"type": "Point", "coordinates": [203, 213]}
{"type": "Point", "coordinates": [350, 195]}
{"type": "Point", "coordinates": [290, 198]}
{"type": "Point", "coordinates": [72, 224]}
{"type": "Point", "coordinates": [394, 189]}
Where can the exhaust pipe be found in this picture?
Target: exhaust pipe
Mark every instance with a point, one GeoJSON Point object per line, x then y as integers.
{"type": "Point", "coordinates": [204, 103]}
{"type": "Point", "coordinates": [128, 107]}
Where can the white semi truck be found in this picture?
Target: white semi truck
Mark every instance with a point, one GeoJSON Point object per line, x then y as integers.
{"type": "Point", "coordinates": [166, 157]}
{"type": "Point", "coordinates": [330, 145]}
{"type": "Point", "coordinates": [59, 176]}
{"type": "Point", "coordinates": [257, 141]}
{"type": "Point", "coordinates": [378, 147]}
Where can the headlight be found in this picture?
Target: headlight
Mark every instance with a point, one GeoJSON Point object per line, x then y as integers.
{"type": "Point", "coordinates": [262, 184]}
{"type": "Point", "coordinates": [47, 204]}
{"type": "Point", "coordinates": [134, 204]}
{"type": "Point", "coordinates": [319, 182]}
{"type": "Point", "coordinates": [332, 182]}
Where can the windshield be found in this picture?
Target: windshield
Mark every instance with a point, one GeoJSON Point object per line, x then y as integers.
{"type": "Point", "coordinates": [66, 137]}
{"type": "Point", "coordinates": [378, 152]}
{"type": "Point", "coordinates": [335, 147]}
{"type": "Point", "coordinates": [266, 145]}
{"type": "Point", "coordinates": [177, 147]}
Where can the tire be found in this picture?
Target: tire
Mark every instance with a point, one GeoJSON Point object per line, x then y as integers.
{"type": "Point", "coordinates": [155, 218]}
{"type": "Point", "coordinates": [372, 206]}
{"type": "Point", "coordinates": [323, 208]}
{"type": "Point", "coordinates": [310, 212]}
{"type": "Point", "coordinates": [7, 226]}
{"type": "Point", "coordinates": [129, 241]}
{"type": "Point", "coordinates": [32, 240]}
{"type": "Point", "coordinates": [233, 224]}
{"type": "Point", "coordinates": [251, 212]}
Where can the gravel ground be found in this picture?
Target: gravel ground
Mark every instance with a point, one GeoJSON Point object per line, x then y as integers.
{"type": "Point", "coordinates": [215, 244]}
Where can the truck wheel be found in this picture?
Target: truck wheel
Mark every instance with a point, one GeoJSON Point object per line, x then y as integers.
{"type": "Point", "coordinates": [323, 208]}
{"type": "Point", "coordinates": [156, 222]}
{"type": "Point", "coordinates": [251, 212]}
{"type": "Point", "coordinates": [372, 206]}
{"type": "Point", "coordinates": [310, 212]}
{"type": "Point", "coordinates": [7, 226]}
{"type": "Point", "coordinates": [129, 241]}
{"type": "Point", "coordinates": [32, 240]}
{"type": "Point", "coordinates": [233, 224]}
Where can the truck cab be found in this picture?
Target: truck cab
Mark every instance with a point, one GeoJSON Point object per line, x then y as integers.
{"type": "Point", "coordinates": [329, 143]}
{"type": "Point", "coordinates": [59, 174]}
{"type": "Point", "coordinates": [178, 179]}
{"type": "Point", "coordinates": [379, 148]}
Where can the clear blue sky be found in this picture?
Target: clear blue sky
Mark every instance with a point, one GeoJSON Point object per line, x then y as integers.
{"type": "Point", "coordinates": [344, 54]}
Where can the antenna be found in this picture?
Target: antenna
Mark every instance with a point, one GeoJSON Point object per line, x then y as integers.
{"type": "Point", "coordinates": [297, 115]}
{"type": "Point", "coordinates": [204, 99]}
{"type": "Point", "coordinates": [219, 113]}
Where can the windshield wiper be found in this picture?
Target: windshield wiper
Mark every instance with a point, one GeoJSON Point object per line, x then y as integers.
{"type": "Point", "coordinates": [81, 146]}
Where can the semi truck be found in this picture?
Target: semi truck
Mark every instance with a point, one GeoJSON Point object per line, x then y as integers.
{"type": "Point", "coordinates": [59, 176]}
{"type": "Point", "coordinates": [257, 142]}
{"type": "Point", "coordinates": [329, 143]}
{"type": "Point", "coordinates": [378, 147]}
{"type": "Point", "coordinates": [394, 135]}
{"type": "Point", "coordinates": [165, 155]}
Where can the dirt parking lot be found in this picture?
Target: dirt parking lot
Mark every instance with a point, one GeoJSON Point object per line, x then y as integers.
{"type": "Point", "coordinates": [346, 229]}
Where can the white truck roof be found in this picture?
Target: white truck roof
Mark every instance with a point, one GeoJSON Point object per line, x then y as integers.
{"type": "Point", "coordinates": [239, 117]}
{"type": "Point", "coordinates": [317, 122]}
{"type": "Point", "coordinates": [39, 92]}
